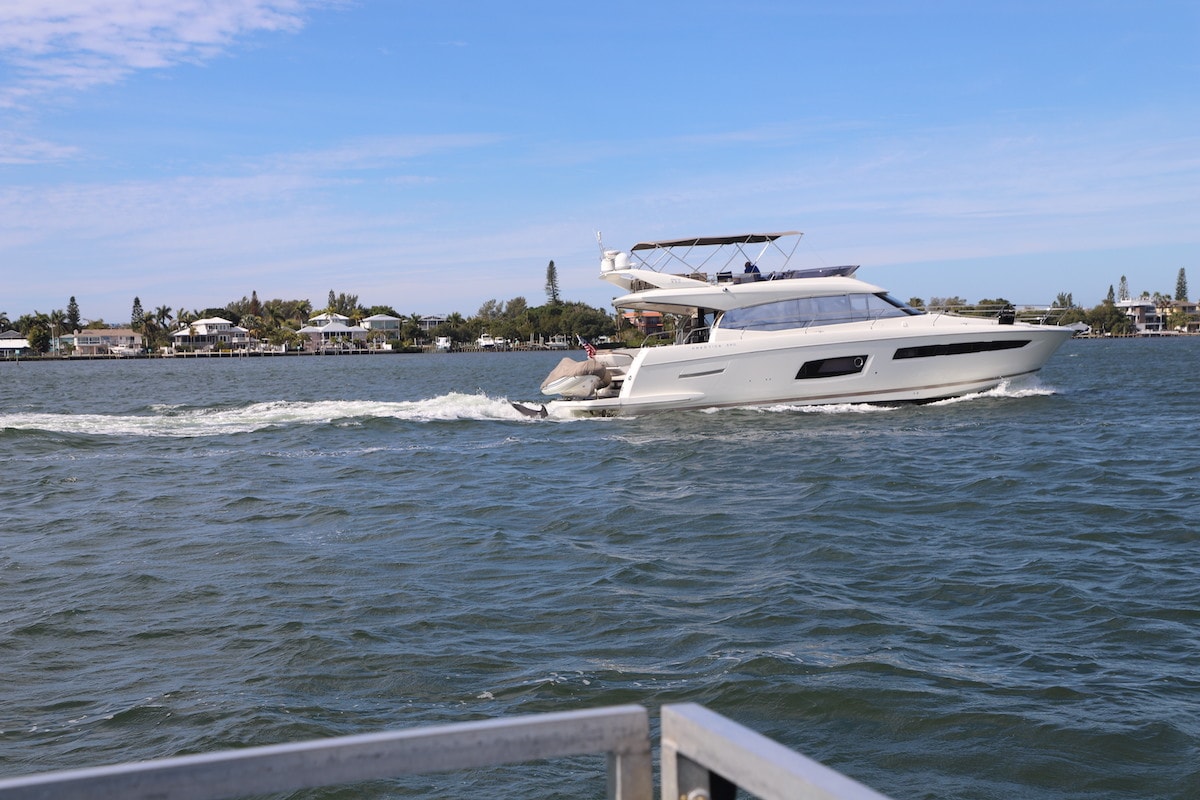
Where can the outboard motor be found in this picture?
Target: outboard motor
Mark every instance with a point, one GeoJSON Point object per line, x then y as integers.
{"type": "Point", "coordinates": [1008, 315]}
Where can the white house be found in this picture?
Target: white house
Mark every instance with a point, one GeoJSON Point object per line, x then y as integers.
{"type": "Point", "coordinates": [387, 325]}
{"type": "Point", "coordinates": [12, 343]}
{"type": "Point", "coordinates": [205, 334]}
{"type": "Point", "coordinates": [327, 318]}
{"type": "Point", "coordinates": [101, 341]}
{"type": "Point", "coordinates": [333, 335]}
{"type": "Point", "coordinates": [1142, 313]}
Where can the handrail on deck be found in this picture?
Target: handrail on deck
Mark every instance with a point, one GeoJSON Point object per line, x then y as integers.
{"type": "Point", "coordinates": [623, 732]}
{"type": "Point", "coordinates": [707, 757]}
{"type": "Point", "coordinates": [704, 757]}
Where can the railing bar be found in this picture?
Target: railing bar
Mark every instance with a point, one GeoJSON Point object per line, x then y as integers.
{"type": "Point", "coordinates": [761, 766]}
{"type": "Point", "coordinates": [630, 775]}
{"type": "Point", "coordinates": [623, 730]}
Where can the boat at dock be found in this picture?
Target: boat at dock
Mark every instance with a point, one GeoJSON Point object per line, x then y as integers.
{"type": "Point", "coordinates": [751, 330]}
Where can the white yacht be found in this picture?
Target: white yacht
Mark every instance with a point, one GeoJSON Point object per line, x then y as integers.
{"type": "Point", "coordinates": [486, 341]}
{"type": "Point", "coordinates": [749, 331]}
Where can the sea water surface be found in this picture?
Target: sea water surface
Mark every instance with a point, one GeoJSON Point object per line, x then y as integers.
{"type": "Point", "coordinates": [991, 597]}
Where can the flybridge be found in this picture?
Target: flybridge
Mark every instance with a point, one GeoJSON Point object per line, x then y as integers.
{"type": "Point", "coordinates": [711, 253]}
{"type": "Point", "coordinates": [704, 260]}
{"type": "Point", "coordinates": [701, 241]}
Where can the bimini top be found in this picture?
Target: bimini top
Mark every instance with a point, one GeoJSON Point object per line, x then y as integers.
{"type": "Point", "coordinates": [702, 241]}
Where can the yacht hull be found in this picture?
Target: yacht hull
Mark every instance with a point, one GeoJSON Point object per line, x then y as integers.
{"type": "Point", "coordinates": [877, 364]}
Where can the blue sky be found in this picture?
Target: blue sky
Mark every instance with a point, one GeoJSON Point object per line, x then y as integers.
{"type": "Point", "coordinates": [432, 156]}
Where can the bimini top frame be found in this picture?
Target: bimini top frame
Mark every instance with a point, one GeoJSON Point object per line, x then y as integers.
{"type": "Point", "coordinates": [727, 252]}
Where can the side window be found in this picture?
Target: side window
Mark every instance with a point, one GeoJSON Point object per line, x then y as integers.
{"type": "Point", "coordinates": [807, 311]}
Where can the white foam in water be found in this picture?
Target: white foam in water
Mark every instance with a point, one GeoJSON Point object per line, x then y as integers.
{"type": "Point", "coordinates": [832, 408]}
{"type": "Point", "coordinates": [1005, 389]}
{"type": "Point", "coordinates": [175, 422]}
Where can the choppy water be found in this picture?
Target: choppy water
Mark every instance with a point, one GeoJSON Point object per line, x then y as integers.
{"type": "Point", "coordinates": [992, 597]}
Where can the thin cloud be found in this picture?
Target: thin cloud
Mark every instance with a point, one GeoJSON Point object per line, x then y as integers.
{"type": "Point", "coordinates": [17, 149]}
{"type": "Point", "coordinates": [374, 152]}
{"type": "Point", "coordinates": [77, 44]}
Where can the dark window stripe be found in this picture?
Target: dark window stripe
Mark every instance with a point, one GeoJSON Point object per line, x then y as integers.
{"type": "Point", "coordinates": [959, 348]}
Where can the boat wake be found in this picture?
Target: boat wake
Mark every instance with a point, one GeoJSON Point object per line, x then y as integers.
{"type": "Point", "coordinates": [176, 421]}
{"type": "Point", "coordinates": [180, 421]}
{"type": "Point", "coordinates": [1005, 390]}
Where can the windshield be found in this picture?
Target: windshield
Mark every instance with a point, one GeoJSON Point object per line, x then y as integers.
{"type": "Point", "coordinates": [804, 312]}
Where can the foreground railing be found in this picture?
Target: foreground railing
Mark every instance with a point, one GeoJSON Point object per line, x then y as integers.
{"type": "Point", "coordinates": [707, 757]}
{"type": "Point", "coordinates": [704, 757]}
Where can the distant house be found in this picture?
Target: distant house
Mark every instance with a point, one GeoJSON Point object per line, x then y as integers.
{"type": "Point", "coordinates": [431, 321]}
{"type": "Point", "coordinates": [13, 343]}
{"type": "Point", "coordinates": [647, 322]}
{"type": "Point", "coordinates": [382, 323]}
{"type": "Point", "coordinates": [327, 318]}
{"type": "Point", "coordinates": [104, 341]}
{"type": "Point", "coordinates": [1142, 314]}
{"type": "Point", "coordinates": [333, 335]}
{"type": "Point", "coordinates": [1192, 310]}
{"type": "Point", "coordinates": [208, 333]}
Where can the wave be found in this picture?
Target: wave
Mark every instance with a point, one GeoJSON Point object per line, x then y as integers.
{"type": "Point", "coordinates": [828, 408]}
{"type": "Point", "coordinates": [179, 421]}
{"type": "Point", "coordinates": [174, 421]}
{"type": "Point", "coordinates": [1005, 389]}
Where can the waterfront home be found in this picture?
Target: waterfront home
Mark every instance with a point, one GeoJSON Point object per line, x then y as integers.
{"type": "Point", "coordinates": [208, 333]}
{"type": "Point", "coordinates": [646, 322]}
{"type": "Point", "coordinates": [1142, 314]}
{"type": "Point", "coordinates": [382, 323]}
{"type": "Point", "coordinates": [431, 321]}
{"type": "Point", "coordinates": [103, 341]}
{"type": "Point", "coordinates": [12, 343]}
{"type": "Point", "coordinates": [333, 335]}
{"type": "Point", "coordinates": [1191, 309]}
{"type": "Point", "coordinates": [328, 318]}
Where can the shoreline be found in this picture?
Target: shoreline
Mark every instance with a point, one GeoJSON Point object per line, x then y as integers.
{"type": "Point", "coordinates": [253, 354]}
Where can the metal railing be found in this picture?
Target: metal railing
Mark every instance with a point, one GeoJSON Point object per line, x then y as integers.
{"type": "Point", "coordinates": [708, 757]}
{"type": "Point", "coordinates": [704, 757]}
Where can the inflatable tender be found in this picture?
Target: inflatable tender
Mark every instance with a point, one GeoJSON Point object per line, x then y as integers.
{"type": "Point", "coordinates": [577, 380]}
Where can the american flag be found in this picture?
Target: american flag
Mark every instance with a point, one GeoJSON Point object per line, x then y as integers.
{"type": "Point", "coordinates": [588, 347]}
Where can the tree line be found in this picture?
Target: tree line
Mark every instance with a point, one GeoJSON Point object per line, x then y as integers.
{"type": "Point", "coordinates": [278, 321]}
{"type": "Point", "coordinates": [1105, 317]}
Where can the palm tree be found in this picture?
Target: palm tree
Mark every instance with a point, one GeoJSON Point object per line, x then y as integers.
{"type": "Point", "coordinates": [36, 328]}
{"type": "Point", "coordinates": [57, 320]}
{"type": "Point", "coordinates": [273, 313]}
{"type": "Point", "coordinates": [253, 325]}
{"type": "Point", "coordinates": [162, 315]}
{"type": "Point", "coordinates": [302, 313]}
{"type": "Point", "coordinates": [151, 331]}
{"type": "Point", "coordinates": [5, 322]}
{"type": "Point", "coordinates": [414, 320]}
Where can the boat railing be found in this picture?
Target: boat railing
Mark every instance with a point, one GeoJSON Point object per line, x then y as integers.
{"type": "Point", "coordinates": [1032, 314]}
{"type": "Point", "coordinates": [703, 755]}
{"type": "Point", "coordinates": [677, 336]}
